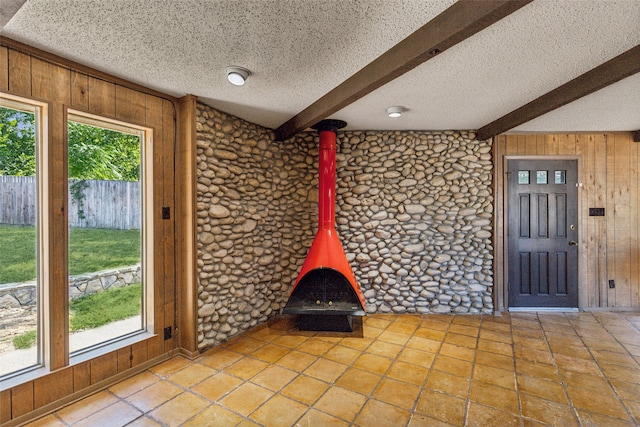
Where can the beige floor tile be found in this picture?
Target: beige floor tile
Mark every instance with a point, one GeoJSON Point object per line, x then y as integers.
{"type": "Point", "coordinates": [274, 377]}
{"type": "Point", "coordinates": [615, 372]}
{"type": "Point", "coordinates": [627, 390]}
{"type": "Point", "coordinates": [432, 334]}
{"type": "Point", "coordinates": [634, 409]}
{"type": "Point", "coordinates": [87, 406]}
{"type": "Point", "coordinates": [421, 420]}
{"type": "Point", "coordinates": [325, 370]}
{"type": "Point", "coordinates": [403, 328]}
{"type": "Point", "coordinates": [483, 416]}
{"type": "Point", "coordinates": [154, 395]}
{"type": "Point", "coordinates": [497, 336]}
{"type": "Point", "coordinates": [47, 421]}
{"type": "Point", "coordinates": [385, 349]}
{"type": "Point", "coordinates": [144, 422]}
{"type": "Point", "coordinates": [492, 359]}
{"type": "Point", "coordinates": [305, 389]}
{"type": "Point", "coordinates": [576, 364]}
{"type": "Point", "coordinates": [601, 402]}
{"type": "Point", "coordinates": [290, 341]}
{"type": "Point", "coordinates": [377, 322]}
{"type": "Point", "coordinates": [279, 410]}
{"type": "Point", "coordinates": [397, 393]}
{"type": "Point", "coordinates": [220, 359]}
{"type": "Point", "coordinates": [246, 398]}
{"type": "Point", "coordinates": [191, 375]}
{"type": "Point", "coordinates": [316, 418]}
{"type": "Point", "coordinates": [377, 413]}
{"type": "Point", "coordinates": [490, 346]}
{"type": "Point", "coordinates": [296, 361]}
{"type": "Point", "coordinates": [408, 372]}
{"type": "Point", "coordinates": [453, 366]}
{"type": "Point", "coordinates": [533, 355]}
{"type": "Point", "coordinates": [179, 409]}
{"type": "Point", "coordinates": [442, 407]}
{"type": "Point", "coordinates": [119, 414]}
{"type": "Point", "coordinates": [315, 347]}
{"type": "Point", "coordinates": [360, 381]}
{"type": "Point", "coordinates": [375, 364]}
{"type": "Point", "coordinates": [341, 403]}
{"type": "Point", "coordinates": [270, 352]}
{"type": "Point", "coordinates": [170, 366]}
{"type": "Point", "coordinates": [394, 337]}
{"type": "Point", "coordinates": [356, 343]}
{"type": "Point", "coordinates": [542, 388]}
{"type": "Point", "coordinates": [214, 416]}
{"type": "Point", "coordinates": [472, 331]}
{"type": "Point", "coordinates": [537, 370]}
{"type": "Point", "coordinates": [417, 357]}
{"type": "Point", "coordinates": [342, 354]}
{"type": "Point", "coordinates": [490, 375]}
{"type": "Point", "coordinates": [246, 367]}
{"type": "Point", "coordinates": [458, 352]}
{"type": "Point", "coordinates": [614, 358]}
{"type": "Point", "coordinates": [424, 344]}
{"type": "Point", "coordinates": [584, 381]}
{"type": "Point", "coordinates": [494, 396]}
{"type": "Point", "coordinates": [216, 386]}
{"type": "Point", "coordinates": [461, 340]}
{"type": "Point", "coordinates": [448, 383]}
{"type": "Point", "coordinates": [548, 412]}
{"type": "Point", "coordinates": [245, 345]}
{"type": "Point", "coordinates": [134, 384]}
{"type": "Point", "coordinates": [589, 419]}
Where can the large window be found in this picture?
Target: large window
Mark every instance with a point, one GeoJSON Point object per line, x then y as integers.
{"type": "Point", "coordinates": [107, 264]}
{"type": "Point", "coordinates": [109, 248]}
{"type": "Point", "coordinates": [22, 233]}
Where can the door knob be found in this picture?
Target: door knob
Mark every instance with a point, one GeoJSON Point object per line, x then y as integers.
{"type": "Point", "coordinates": [573, 243]}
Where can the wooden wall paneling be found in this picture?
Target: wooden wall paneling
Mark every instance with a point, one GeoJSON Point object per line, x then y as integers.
{"type": "Point", "coordinates": [130, 105]}
{"type": "Point", "coordinates": [622, 220]}
{"type": "Point", "coordinates": [124, 357]}
{"type": "Point", "coordinates": [22, 399]}
{"type": "Point", "coordinates": [541, 145]}
{"type": "Point", "coordinates": [530, 145]}
{"type": "Point", "coordinates": [154, 119]}
{"type": "Point", "coordinates": [185, 203]}
{"type": "Point", "coordinates": [4, 69]}
{"type": "Point", "coordinates": [168, 226]}
{"type": "Point", "coordinates": [566, 144]}
{"type": "Point", "coordinates": [139, 353]}
{"type": "Point", "coordinates": [52, 82]}
{"type": "Point", "coordinates": [19, 73]}
{"type": "Point", "coordinates": [79, 91]}
{"type": "Point", "coordinates": [103, 367]}
{"type": "Point", "coordinates": [5, 406]}
{"type": "Point", "coordinates": [101, 97]}
{"type": "Point", "coordinates": [600, 200]}
{"type": "Point", "coordinates": [586, 147]}
{"type": "Point", "coordinates": [611, 218]}
{"type": "Point", "coordinates": [551, 145]}
{"type": "Point", "coordinates": [585, 289]}
{"type": "Point", "coordinates": [52, 387]}
{"type": "Point", "coordinates": [520, 141]}
{"type": "Point", "coordinates": [81, 376]}
{"type": "Point", "coordinates": [634, 246]}
{"type": "Point", "coordinates": [499, 282]}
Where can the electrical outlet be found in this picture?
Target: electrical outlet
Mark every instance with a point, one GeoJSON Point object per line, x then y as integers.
{"type": "Point", "coordinates": [612, 284]}
{"type": "Point", "coordinates": [166, 212]}
{"type": "Point", "coordinates": [167, 333]}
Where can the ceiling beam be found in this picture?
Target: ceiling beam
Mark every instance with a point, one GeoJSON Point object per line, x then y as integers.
{"type": "Point", "coordinates": [457, 23]}
{"type": "Point", "coordinates": [612, 71]}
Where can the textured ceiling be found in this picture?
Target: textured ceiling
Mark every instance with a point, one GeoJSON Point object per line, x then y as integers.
{"type": "Point", "coordinates": [298, 50]}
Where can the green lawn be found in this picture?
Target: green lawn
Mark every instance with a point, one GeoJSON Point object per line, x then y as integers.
{"type": "Point", "coordinates": [95, 310]}
{"type": "Point", "coordinates": [90, 249]}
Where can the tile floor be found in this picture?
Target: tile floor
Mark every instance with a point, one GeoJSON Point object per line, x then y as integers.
{"type": "Point", "coordinates": [522, 369]}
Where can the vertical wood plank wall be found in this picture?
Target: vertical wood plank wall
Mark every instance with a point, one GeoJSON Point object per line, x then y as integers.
{"type": "Point", "coordinates": [610, 245]}
{"type": "Point", "coordinates": [27, 74]}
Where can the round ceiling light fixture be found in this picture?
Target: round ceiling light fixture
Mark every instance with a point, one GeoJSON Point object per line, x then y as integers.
{"type": "Point", "coordinates": [237, 75]}
{"type": "Point", "coordinates": [395, 111]}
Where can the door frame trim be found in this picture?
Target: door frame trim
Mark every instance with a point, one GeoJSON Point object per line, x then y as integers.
{"type": "Point", "coordinates": [501, 297]}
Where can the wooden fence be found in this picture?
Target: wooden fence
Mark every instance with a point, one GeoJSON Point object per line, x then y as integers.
{"type": "Point", "coordinates": [104, 204]}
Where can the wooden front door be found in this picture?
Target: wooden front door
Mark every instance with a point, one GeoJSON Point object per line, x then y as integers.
{"type": "Point", "coordinates": [543, 233]}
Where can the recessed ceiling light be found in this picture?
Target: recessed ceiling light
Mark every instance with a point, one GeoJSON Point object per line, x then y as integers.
{"type": "Point", "coordinates": [237, 75]}
{"type": "Point", "coordinates": [396, 111]}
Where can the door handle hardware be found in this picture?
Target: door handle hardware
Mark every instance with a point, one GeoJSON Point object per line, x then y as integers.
{"type": "Point", "coordinates": [573, 243]}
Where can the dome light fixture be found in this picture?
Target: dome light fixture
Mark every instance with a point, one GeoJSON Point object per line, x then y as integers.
{"type": "Point", "coordinates": [395, 111]}
{"type": "Point", "coordinates": [237, 75]}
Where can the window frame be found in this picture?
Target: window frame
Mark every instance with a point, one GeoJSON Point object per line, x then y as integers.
{"type": "Point", "coordinates": [147, 230]}
{"type": "Point", "coordinates": [41, 116]}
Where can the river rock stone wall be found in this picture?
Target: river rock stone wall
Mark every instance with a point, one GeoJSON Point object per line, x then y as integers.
{"type": "Point", "coordinates": [256, 203]}
{"type": "Point", "coordinates": [414, 212]}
